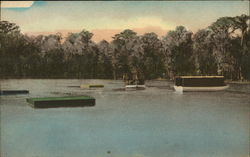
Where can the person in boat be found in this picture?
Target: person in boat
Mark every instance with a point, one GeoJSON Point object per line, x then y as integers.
{"type": "Point", "coordinates": [133, 78]}
{"type": "Point", "coordinates": [127, 78]}
{"type": "Point", "coordinates": [140, 80]}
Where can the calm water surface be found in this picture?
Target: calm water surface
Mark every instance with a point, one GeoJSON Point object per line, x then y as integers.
{"type": "Point", "coordinates": [156, 122]}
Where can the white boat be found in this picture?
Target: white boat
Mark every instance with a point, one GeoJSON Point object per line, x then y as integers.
{"type": "Point", "coordinates": [135, 86]}
{"type": "Point", "coordinates": [199, 89]}
{"type": "Point", "coordinates": [199, 83]}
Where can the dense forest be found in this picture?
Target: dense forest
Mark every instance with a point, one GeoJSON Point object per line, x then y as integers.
{"type": "Point", "coordinates": [220, 49]}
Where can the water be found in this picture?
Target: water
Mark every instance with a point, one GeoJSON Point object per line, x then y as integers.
{"type": "Point", "coordinates": [156, 122]}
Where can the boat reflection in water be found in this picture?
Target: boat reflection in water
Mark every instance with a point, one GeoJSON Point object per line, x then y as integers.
{"type": "Point", "coordinates": [199, 83]}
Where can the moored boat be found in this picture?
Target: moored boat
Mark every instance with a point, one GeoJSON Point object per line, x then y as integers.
{"type": "Point", "coordinates": [134, 81]}
{"type": "Point", "coordinates": [135, 86]}
{"type": "Point", "coordinates": [199, 83]}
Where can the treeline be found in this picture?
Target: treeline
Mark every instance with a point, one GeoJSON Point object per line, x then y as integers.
{"type": "Point", "coordinates": [220, 49]}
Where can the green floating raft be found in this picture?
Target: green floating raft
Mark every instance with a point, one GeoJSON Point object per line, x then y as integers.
{"type": "Point", "coordinates": [52, 102]}
{"type": "Point", "coordinates": [13, 92]}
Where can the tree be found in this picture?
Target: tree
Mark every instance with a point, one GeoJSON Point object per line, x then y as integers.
{"type": "Point", "coordinates": [8, 28]}
{"type": "Point", "coordinates": [104, 69]}
{"type": "Point", "coordinates": [81, 54]}
{"type": "Point", "coordinates": [203, 51]}
{"type": "Point", "coordinates": [230, 54]}
{"type": "Point", "coordinates": [245, 64]}
{"type": "Point", "coordinates": [242, 23]}
{"type": "Point", "coordinates": [122, 47]}
{"type": "Point", "coordinates": [222, 48]}
{"type": "Point", "coordinates": [153, 57]}
{"type": "Point", "coordinates": [178, 52]}
{"type": "Point", "coordinates": [13, 48]}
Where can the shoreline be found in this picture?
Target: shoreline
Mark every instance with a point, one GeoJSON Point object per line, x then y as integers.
{"type": "Point", "coordinates": [237, 82]}
{"type": "Point", "coordinates": [158, 79]}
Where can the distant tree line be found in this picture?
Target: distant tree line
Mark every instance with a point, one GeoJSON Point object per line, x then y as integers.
{"type": "Point", "coordinates": [220, 49]}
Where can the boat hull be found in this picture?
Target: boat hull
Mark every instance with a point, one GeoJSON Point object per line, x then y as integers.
{"type": "Point", "coordinates": [200, 89]}
{"type": "Point", "coordinates": [135, 86]}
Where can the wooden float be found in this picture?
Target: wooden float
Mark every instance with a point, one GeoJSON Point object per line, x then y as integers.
{"type": "Point", "coordinates": [199, 83]}
{"type": "Point", "coordinates": [13, 92]}
{"type": "Point", "coordinates": [53, 102]}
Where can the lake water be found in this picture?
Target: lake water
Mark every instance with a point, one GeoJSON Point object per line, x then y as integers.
{"type": "Point", "coordinates": [155, 122]}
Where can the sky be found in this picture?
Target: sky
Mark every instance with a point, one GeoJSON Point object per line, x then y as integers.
{"type": "Point", "coordinates": [107, 18]}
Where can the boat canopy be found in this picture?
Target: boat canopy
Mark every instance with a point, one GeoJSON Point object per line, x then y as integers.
{"type": "Point", "coordinates": [199, 81]}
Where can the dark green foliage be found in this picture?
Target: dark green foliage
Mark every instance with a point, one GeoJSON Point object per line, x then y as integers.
{"type": "Point", "coordinates": [231, 47]}
{"type": "Point", "coordinates": [179, 51]}
{"type": "Point", "coordinates": [245, 64]}
{"type": "Point", "coordinates": [123, 46]}
{"type": "Point", "coordinates": [104, 68]}
{"type": "Point", "coordinates": [152, 61]}
{"type": "Point", "coordinates": [203, 52]}
{"type": "Point", "coordinates": [16, 52]}
{"type": "Point", "coordinates": [220, 49]}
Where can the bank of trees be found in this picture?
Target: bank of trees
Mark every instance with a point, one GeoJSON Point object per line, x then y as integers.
{"type": "Point", "coordinates": [220, 49]}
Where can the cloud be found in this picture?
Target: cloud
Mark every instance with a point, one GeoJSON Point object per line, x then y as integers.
{"type": "Point", "coordinates": [148, 22]}
{"type": "Point", "coordinates": [130, 23]}
{"type": "Point", "coordinates": [16, 4]}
